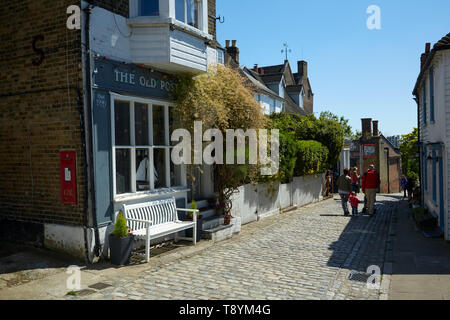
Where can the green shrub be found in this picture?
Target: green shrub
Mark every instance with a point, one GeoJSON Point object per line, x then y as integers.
{"type": "Point", "coordinates": [193, 207]}
{"type": "Point", "coordinates": [120, 227]}
{"type": "Point", "coordinates": [311, 158]}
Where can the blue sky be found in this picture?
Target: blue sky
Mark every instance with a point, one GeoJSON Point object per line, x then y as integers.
{"type": "Point", "coordinates": [354, 72]}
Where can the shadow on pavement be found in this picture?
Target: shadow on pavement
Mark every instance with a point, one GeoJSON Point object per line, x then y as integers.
{"type": "Point", "coordinates": [363, 241]}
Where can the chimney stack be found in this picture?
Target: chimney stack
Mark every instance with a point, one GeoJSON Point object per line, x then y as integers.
{"type": "Point", "coordinates": [232, 51]}
{"type": "Point", "coordinates": [375, 128]}
{"type": "Point", "coordinates": [366, 127]}
{"type": "Point", "coordinates": [261, 70]}
{"type": "Point", "coordinates": [302, 68]}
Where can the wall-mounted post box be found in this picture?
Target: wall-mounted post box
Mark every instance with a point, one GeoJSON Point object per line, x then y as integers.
{"type": "Point", "coordinates": [68, 177]}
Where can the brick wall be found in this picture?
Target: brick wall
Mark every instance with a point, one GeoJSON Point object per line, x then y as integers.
{"type": "Point", "coordinates": [39, 115]}
{"type": "Point", "coordinates": [117, 6]}
{"type": "Point", "coordinates": [212, 21]}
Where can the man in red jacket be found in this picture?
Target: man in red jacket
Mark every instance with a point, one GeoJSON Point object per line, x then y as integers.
{"type": "Point", "coordinates": [370, 183]}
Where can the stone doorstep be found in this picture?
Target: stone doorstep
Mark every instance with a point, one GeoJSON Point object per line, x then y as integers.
{"type": "Point", "coordinates": [219, 233]}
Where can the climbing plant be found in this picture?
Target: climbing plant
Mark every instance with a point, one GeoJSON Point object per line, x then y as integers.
{"type": "Point", "coordinates": [221, 100]}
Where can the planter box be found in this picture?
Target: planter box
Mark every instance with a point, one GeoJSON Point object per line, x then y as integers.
{"type": "Point", "coordinates": [120, 249]}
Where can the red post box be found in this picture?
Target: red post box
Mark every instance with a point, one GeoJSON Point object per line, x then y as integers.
{"type": "Point", "coordinates": [68, 177]}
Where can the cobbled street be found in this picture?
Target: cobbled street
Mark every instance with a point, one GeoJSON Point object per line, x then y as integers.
{"type": "Point", "coordinates": [308, 253]}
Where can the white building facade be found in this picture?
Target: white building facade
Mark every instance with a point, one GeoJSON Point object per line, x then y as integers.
{"type": "Point", "coordinates": [432, 94]}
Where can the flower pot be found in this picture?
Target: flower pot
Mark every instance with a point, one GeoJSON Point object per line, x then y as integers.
{"type": "Point", "coordinates": [227, 219]}
{"type": "Point", "coordinates": [188, 232]}
{"type": "Point", "coordinates": [120, 249]}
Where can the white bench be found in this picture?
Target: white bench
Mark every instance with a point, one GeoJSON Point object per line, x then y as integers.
{"type": "Point", "coordinates": [158, 218]}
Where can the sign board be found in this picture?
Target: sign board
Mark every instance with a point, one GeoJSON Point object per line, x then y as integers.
{"type": "Point", "coordinates": [369, 151]}
{"type": "Point", "coordinates": [68, 178]}
{"type": "Point", "coordinates": [133, 79]}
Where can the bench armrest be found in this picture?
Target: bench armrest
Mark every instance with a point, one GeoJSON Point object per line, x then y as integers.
{"type": "Point", "coordinates": [188, 210]}
{"type": "Point", "coordinates": [191, 210]}
{"type": "Point", "coordinates": [147, 222]}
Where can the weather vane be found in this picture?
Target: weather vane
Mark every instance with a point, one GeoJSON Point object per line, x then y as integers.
{"type": "Point", "coordinates": [286, 50]}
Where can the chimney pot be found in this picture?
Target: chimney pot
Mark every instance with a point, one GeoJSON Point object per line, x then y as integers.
{"type": "Point", "coordinates": [427, 47]}
{"type": "Point", "coordinates": [375, 128]}
{"type": "Point", "coordinates": [260, 70]}
{"type": "Point", "coordinates": [233, 51]}
{"type": "Point", "coordinates": [255, 67]}
{"type": "Point", "coordinates": [366, 127]}
{"type": "Point", "coordinates": [227, 43]}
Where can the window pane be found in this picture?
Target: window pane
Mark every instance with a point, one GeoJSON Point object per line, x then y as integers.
{"type": "Point", "coordinates": [179, 10]}
{"type": "Point", "coordinates": [122, 123]}
{"type": "Point", "coordinates": [142, 170]}
{"type": "Point", "coordinates": [141, 124]}
{"type": "Point", "coordinates": [192, 12]}
{"type": "Point", "coordinates": [149, 7]}
{"type": "Point", "coordinates": [159, 155]}
{"type": "Point", "coordinates": [123, 171]}
{"type": "Point", "coordinates": [175, 175]}
{"type": "Point", "coordinates": [158, 126]}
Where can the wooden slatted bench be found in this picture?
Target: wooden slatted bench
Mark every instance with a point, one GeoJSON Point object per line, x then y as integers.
{"type": "Point", "coordinates": [158, 218]}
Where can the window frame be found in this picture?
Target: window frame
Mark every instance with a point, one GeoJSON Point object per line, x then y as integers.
{"type": "Point", "coordinates": [133, 147]}
{"type": "Point", "coordinates": [199, 14]}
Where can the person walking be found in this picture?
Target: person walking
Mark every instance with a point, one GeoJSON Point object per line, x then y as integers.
{"type": "Point", "coordinates": [370, 183]}
{"type": "Point", "coordinates": [404, 184]}
{"type": "Point", "coordinates": [355, 179]}
{"type": "Point", "coordinates": [344, 184]}
{"type": "Point", "coordinates": [354, 201]}
{"type": "Point", "coordinates": [410, 184]}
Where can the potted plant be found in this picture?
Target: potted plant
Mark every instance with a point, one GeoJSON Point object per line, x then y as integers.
{"type": "Point", "coordinates": [120, 242]}
{"type": "Point", "coordinates": [190, 216]}
{"type": "Point", "coordinates": [227, 219]}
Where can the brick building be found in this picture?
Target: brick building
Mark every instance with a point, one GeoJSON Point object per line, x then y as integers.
{"type": "Point", "coordinates": [83, 110]}
{"type": "Point", "coordinates": [374, 148]}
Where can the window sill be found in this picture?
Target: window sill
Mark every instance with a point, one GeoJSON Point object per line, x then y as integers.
{"type": "Point", "coordinates": [147, 195]}
{"type": "Point", "coordinates": [170, 22]}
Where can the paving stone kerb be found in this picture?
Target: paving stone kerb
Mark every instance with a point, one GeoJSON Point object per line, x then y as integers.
{"type": "Point", "coordinates": [303, 254]}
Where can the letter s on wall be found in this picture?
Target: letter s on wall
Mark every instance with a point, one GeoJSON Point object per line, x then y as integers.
{"type": "Point", "coordinates": [37, 62]}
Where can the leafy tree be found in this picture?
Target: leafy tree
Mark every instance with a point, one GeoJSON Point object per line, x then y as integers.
{"type": "Point", "coordinates": [344, 122]}
{"type": "Point", "coordinates": [408, 148]}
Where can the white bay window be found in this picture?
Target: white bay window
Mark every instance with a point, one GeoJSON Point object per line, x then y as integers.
{"type": "Point", "coordinates": [140, 146]}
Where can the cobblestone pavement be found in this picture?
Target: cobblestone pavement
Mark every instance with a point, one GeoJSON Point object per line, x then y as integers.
{"type": "Point", "coordinates": [303, 254]}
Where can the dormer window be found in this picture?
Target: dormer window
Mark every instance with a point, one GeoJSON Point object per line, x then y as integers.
{"type": "Point", "coordinates": [148, 8]}
{"type": "Point", "coordinates": [188, 11]}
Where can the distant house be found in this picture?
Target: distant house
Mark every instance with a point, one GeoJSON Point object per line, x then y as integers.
{"type": "Point", "coordinates": [395, 140]}
{"type": "Point", "coordinates": [277, 88]}
{"type": "Point", "coordinates": [374, 148]}
{"type": "Point", "coordinates": [432, 94]}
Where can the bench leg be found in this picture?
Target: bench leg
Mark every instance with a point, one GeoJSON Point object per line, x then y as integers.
{"type": "Point", "coordinates": [147, 245]}
{"type": "Point", "coordinates": [176, 237]}
{"type": "Point", "coordinates": [194, 234]}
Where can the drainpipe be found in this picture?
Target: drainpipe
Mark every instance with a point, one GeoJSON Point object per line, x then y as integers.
{"type": "Point", "coordinates": [87, 75]}
{"type": "Point", "coordinates": [387, 161]}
